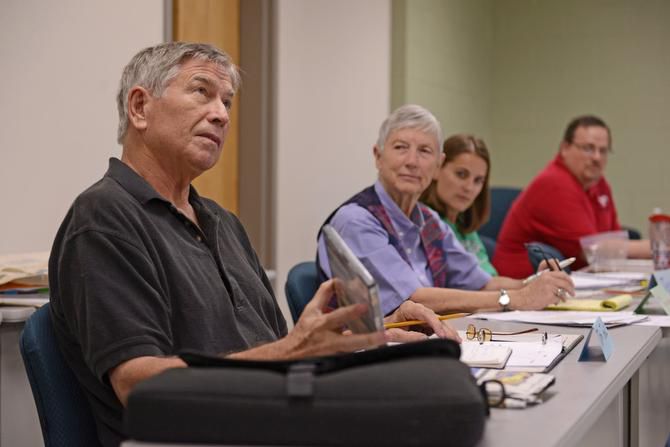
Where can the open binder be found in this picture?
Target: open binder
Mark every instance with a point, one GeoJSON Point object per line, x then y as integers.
{"type": "Point", "coordinates": [568, 343]}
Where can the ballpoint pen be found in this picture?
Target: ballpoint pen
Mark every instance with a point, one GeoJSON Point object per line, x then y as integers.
{"type": "Point", "coordinates": [563, 264]}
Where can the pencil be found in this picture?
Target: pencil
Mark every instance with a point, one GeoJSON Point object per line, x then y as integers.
{"type": "Point", "coordinates": [417, 322]}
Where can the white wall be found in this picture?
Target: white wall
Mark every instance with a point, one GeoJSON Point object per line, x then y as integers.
{"type": "Point", "coordinates": [333, 84]}
{"type": "Point", "coordinates": [447, 61]}
{"type": "Point", "coordinates": [61, 63]}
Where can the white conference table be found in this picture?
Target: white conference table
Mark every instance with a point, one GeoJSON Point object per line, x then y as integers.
{"type": "Point", "coordinates": [591, 404]}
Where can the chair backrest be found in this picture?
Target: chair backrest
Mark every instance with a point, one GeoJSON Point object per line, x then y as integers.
{"type": "Point", "coordinates": [501, 201]}
{"type": "Point", "coordinates": [301, 284]}
{"type": "Point", "coordinates": [535, 250]}
{"type": "Point", "coordinates": [633, 234]}
{"type": "Point", "coordinates": [489, 245]}
{"type": "Point", "coordinates": [65, 414]}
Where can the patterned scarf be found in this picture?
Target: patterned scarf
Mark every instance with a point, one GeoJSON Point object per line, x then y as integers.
{"type": "Point", "coordinates": [431, 234]}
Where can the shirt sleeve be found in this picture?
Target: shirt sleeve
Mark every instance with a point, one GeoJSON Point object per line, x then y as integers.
{"type": "Point", "coordinates": [369, 241]}
{"type": "Point", "coordinates": [112, 290]}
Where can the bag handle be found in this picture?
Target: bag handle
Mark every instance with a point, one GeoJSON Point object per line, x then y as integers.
{"type": "Point", "coordinates": [300, 381]}
{"type": "Point", "coordinates": [331, 363]}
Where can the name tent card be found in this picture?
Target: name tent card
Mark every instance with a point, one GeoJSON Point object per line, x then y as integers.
{"type": "Point", "coordinates": [606, 345]}
{"type": "Point", "coordinates": [658, 278]}
{"type": "Point", "coordinates": [660, 290]}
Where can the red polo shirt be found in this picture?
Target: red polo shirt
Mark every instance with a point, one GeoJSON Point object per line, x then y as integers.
{"type": "Point", "coordinates": [556, 210]}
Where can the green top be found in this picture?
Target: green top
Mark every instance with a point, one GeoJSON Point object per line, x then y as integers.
{"type": "Point", "coordinates": [473, 244]}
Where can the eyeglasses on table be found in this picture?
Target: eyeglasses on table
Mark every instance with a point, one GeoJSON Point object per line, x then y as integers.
{"type": "Point", "coordinates": [486, 334]}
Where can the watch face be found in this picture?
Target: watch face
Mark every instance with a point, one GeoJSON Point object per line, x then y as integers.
{"type": "Point", "coordinates": [504, 299]}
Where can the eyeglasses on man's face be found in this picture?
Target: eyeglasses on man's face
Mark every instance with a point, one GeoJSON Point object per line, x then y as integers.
{"type": "Point", "coordinates": [591, 150]}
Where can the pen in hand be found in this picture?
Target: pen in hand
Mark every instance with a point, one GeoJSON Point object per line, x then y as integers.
{"type": "Point", "coordinates": [561, 265]}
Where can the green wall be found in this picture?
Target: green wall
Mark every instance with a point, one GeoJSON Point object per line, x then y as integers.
{"type": "Point", "coordinates": [516, 71]}
{"type": "Point", "coordinates": [441, 59]}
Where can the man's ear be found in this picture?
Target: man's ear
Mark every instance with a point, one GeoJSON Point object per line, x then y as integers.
{"type": "Point", "coordinates": [563, 146]}
{"type": "Point", "coordinates": [138, 103]}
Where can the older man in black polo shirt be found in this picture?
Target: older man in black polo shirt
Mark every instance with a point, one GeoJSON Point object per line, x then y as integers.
{"type": "Point", "coordinates": [143, 267]}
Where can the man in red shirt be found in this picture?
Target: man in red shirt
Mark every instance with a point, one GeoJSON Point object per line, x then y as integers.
{"type": "Point", "coordinates": [569, 199]}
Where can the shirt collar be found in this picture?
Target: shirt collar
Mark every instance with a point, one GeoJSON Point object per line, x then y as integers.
{"type": "Point", "coordinates": [137, 186]}
{"type": "Point", "coordinates": [399, 219]}
{"type": "Point", "coordinates": [593, 191]}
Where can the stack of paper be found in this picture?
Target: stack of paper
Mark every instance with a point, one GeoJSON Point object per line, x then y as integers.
{"type": "Point", "coordinates": [598, 284]}
{"type": "Point", "coordinates": [23, 279]}
{"type": "Point", "coordinates": [27, 269]}
{"type": "Point", "coordinates": [566, 318]}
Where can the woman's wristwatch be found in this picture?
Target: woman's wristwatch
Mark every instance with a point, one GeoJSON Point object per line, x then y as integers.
{"type": "Point", "coordinates": [504, 300]}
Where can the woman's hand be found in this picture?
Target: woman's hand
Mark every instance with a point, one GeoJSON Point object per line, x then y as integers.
{"type": "Point", "coordinates": [548, 288]}
{"type": "Point", "coordinates": [410, 310]}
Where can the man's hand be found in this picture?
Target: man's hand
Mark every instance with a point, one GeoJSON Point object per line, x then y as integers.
{"type": "Point", "coordinates": [548, 288]}
{"type": "Point", "coordinates": [410, 310]}
{"type": "Point", "coordinates": [319, 333]}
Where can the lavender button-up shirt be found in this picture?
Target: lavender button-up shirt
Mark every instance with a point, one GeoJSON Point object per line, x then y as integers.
{"type": "Point", "coordinates": [397, 279]}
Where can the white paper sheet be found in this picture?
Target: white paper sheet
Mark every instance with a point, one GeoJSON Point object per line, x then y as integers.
{"type": "Point", "coordinates": [656, 320]}
{"type": "Point", "coordinates": [590, 281]}
{"type": "Point", "coordinates": [570, 318]}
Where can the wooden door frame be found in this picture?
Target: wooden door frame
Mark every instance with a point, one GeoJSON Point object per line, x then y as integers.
{"type": "Point", "coordinates": [254, 125]}
{"type": "Point", "coordinates": [216, 22]}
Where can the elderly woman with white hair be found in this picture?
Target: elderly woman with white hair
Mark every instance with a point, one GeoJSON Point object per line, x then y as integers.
{"type": "Point", "coordinates": [404, 244]}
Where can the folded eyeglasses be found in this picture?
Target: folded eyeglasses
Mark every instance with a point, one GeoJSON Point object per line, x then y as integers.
{"type": "Point", "coordinates": [486, 334]}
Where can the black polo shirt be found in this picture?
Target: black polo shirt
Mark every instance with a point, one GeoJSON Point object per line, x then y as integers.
{"type": "Point", "coordinates": [131, 276]}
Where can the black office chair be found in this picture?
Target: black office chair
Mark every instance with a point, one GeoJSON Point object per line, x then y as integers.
{"type": "Point", "coordinates": [633, 234]}
{"type": "Point", "coordinates": [501, 201]}
{"type": "Point", "coordinates": [537, 251]}
{"type": "Point", "coordinates": [65, 415]}
{"type": "Point", "coordinates": [301, 284]}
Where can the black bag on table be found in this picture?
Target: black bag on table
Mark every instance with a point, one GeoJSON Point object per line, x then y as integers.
{"type": "Point", "coordinates": [412, 394]}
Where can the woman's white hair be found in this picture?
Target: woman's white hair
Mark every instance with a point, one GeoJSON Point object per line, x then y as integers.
{"type": "Point", "coordinates": [154, 67]}
{"type": "Point", "coordinates": [410, 116]}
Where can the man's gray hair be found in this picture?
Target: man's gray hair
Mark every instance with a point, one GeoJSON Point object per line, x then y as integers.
{"type": "Point", "coordinates": [410, 116]}
{"type": "Point", "coordinates": [154, 67]}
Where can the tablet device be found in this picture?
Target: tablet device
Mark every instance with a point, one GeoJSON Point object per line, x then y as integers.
{"type": "Point", "coordinates": [353, 283]}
